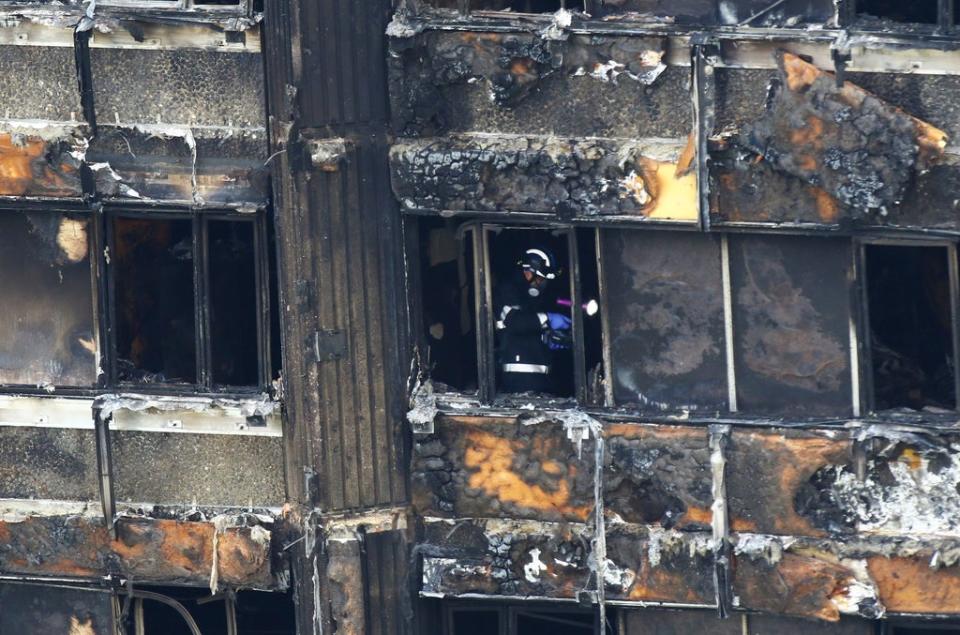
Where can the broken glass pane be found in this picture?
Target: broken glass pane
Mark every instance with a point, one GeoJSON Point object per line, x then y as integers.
{"type": "Point", "coordinates": [153, 276]}
{"type": "Point", "coordinates": [47, 337]}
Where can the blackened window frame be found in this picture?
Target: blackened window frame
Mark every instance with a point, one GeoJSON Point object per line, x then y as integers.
{"type": "Point", "coordinates": [864, 374]}
{"type": "Point", "coordinates": [479, 233]}
{"type": "Point", "coordinates": [109, 378]}
{"type": "Point", "coordinates": [508, 612]}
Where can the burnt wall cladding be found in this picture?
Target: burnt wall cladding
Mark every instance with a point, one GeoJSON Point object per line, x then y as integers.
{"type": "Point", "coordinates": [47, 463]}
{"type": "Point", "coordinates": [520, 84]}
{"type": "Point", "coordinates": [741, 96]}
{"type": "Point", "coordinates": [543, 175]}
{"type": "Point", "coordinates": [931, 98]}
{"type": "Point", "coordinates": [206, 469]}
{"type": "Point", "coordinates": [39, 83]}
{"type": "Point", "coordinates": [652, 475]}
{"type": "Point", "coordinates": [179, 87]}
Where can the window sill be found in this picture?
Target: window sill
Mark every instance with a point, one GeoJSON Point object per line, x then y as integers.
{"type": "Point", "coordinates": [245, 416]}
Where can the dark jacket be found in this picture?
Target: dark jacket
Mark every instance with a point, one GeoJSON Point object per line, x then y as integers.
{"type": "Point", "coordinates": [523, 360]}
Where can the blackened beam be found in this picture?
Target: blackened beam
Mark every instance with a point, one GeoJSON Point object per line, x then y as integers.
{"type": "Point", "coordinates": [704, 96]}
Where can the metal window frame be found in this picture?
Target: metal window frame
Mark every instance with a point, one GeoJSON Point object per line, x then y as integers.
{"type": "Point", "coordinates": [484, 317]}
{"type": "Point", "coordinates": [850, 13]}
{"type": "Point", "coordinates": [201, 295]}
{"type": "Point", "coordinates": [508, 612]}
{"type": "Point", "coordinates": [867, 393]}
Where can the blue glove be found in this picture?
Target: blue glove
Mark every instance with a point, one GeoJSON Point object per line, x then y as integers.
{"type": "Point", "coordinates": [558, 322]}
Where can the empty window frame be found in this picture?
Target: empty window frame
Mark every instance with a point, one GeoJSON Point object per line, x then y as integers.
{"type": "Point", "coordinates": [48, 338]}
{"type": "Point", "coordinates": [478, 304]}
{"type": "Point", "coordinates": [242, 7]}
{"type": "Point", "coordinates": [500, 619]}
{"type": "Point", "coordinates": [189, 301]}
{"type": "Point", "coordinates": [910, 325]}
{"type": "Point", "coordinates": [881, 13]}
{"type": "Point", "coordinates": [512, 6]}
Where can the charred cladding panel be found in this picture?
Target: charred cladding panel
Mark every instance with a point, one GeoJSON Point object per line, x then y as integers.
{"type": "Point", "coordinates": [39, 83]}
{"type": "Point", "coordinates": [791, 324]}
{"type": "Point", "coordinates": [521, 84]}
{"type": "Point", "coordinates": [179, 87]}
{"type": "Point", "coordinates": [205, 469]}
{"type": "Point", "coordinates": [665, 312]}
{"type": "Point", "coordinates": [47, 463]}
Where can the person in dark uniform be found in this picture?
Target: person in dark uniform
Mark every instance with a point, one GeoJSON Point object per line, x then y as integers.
{"type": "Point", "coordinates": [531, 331]}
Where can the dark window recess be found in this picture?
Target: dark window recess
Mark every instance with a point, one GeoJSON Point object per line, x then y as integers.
{"type": "Point", "coordinates": [553, 623]}
{"type": "Point", "coordinates": [257, 613]}
{"type": "Point", "coordinates": [914, 11]}
{"type": "Point", "coordinates": [47, 337]}
{"type": "Point", "coordinates": [449, 305]}
{"type": "Point", "coordinates": [233, 303]}
{"type": "Point", "coordinates": [153, 277]}
{"type": "Point", "coordinates": [592, 324]}
{"type": "Point", "coordinates": [531, 356]}
{"type": "Point", "coordinates": [476, 622]}
{"type": "Point", "coordinates": [925, 629]}
{"type": "Point", "coordinates": [520, 6]}
{"type": "Point", "coordinates": [908, 292]}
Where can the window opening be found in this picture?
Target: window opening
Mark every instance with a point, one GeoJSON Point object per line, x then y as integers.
{"type": "Point", "coordinates": [153, 267]}
{"type": "Point", "coordinates": [476, 622]}
{"type": "Point", "coordinates": [918, 12]}
{"type": "Point", "coordinates": [233, 303]}
{"type": "Point", "coordinates": [531, 309]}
{"type": "Point", "coordinates": [449, 303]}
{"type": "Point", "coordinates": [552, 623]}
{"type": "Point", "coordinates": [520, 6]}
{"type": "Point", "coordinates": [191, 300]}
{"type": "Point", "coordinates": [589, 278]}
{"type": "Point", "coordinates": [911, 329]}
{"type": "Point", "coordinates": [47, 337]}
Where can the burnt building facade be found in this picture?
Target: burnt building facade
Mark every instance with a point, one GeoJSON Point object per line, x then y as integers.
{"type": "Point", "coordinates": [268, 389]}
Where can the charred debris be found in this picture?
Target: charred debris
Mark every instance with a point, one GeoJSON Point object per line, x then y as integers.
{"type": "Point", "coordinates": [275, 270]}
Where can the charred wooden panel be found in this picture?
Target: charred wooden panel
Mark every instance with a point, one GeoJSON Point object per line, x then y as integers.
{"type": "Point", "coordinates": [769, 474]}
{"type": "Point", "coordinates": [664, 301]}
{"type": "Point", "coordinates": [32, 609]}
{"type": "Point", "coordinates": [148, 550]}
{"type": "Point", "coordinates": [910, 585]}
{"type": "Point", "coordinates": [543, 175]}
{"type": "Point", "coordinates": [525, 84]}
{"type": "Point", "coordinates": [791, 324]}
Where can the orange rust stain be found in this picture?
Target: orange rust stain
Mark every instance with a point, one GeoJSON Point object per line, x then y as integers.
{"type": "Point", "coordinates": [521, 66]}
{"type": "Point", "coordinates": [827, 207]}
{"type": "Point", "coordinates": [490, 457]}
{"type": "Point", "coordinates": [553, 468]}
{"type": "Point", "coordinates": [4, 532]}
{"type": "Point", "coordinates": [909, 585]}
{"type": "Point", "coordinates": [634, 431]}
{"type": "Point", "coordinates": [743, 525]}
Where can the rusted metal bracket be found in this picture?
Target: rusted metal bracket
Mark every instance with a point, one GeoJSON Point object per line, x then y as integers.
{"type": "Point", "coordinates": [101, 426]}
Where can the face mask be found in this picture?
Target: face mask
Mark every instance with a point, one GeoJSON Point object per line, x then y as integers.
{"type": "Point", "coordinates": [533, 291]}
